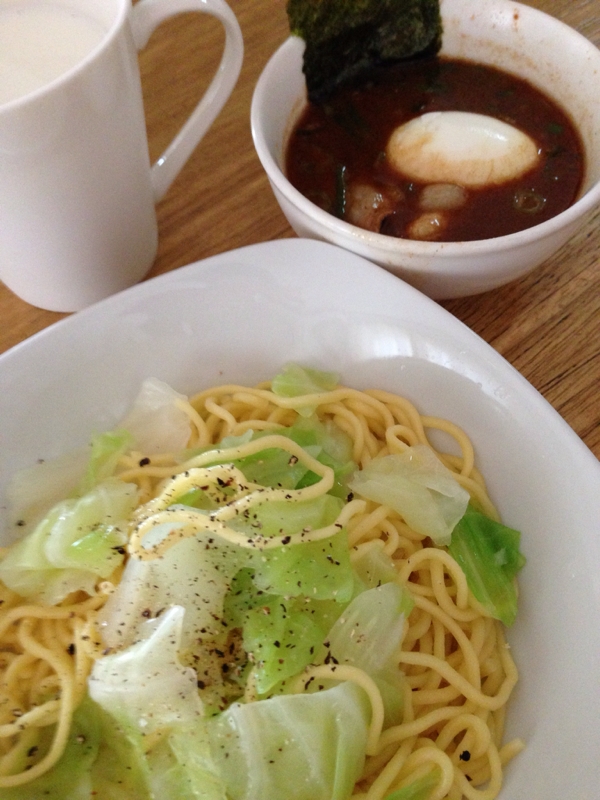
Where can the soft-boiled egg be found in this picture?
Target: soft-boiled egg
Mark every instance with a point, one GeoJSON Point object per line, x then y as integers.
{"type": "Point", "coordinates": [457, 147]}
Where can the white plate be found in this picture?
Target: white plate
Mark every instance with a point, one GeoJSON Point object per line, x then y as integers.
{"type": "Point", "coordinates": [238, 317]}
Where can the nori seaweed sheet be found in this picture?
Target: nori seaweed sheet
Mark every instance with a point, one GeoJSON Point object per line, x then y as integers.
{"type": "Point", "coordinates": [346, 37]}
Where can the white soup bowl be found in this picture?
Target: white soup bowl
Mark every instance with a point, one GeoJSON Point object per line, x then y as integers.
{"type": "Point", "coordinates": [515, 38]}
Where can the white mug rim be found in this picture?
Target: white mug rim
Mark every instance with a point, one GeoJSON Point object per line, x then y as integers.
{"type": "Point", "coordinates": [121, 12]}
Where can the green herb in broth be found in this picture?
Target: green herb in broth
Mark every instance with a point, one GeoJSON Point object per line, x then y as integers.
{"type": "Point", "coordinates": [340, 192]}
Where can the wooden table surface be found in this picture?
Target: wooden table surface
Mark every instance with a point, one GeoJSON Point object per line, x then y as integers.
{"type": "Point", "coordinates": [547, 324]}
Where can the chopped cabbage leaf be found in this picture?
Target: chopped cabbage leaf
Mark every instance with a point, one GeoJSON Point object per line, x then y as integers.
{"type": "Point", "coordinates": [324, 441]}
{"type": "Point", "coordinates": [70, 778]}
{"type": "Point", "coordinates": [271, 467]}
{"type": "Point", "coordinates": [371, 628]}
{"type": "Point", "coordinates": [293, 747]}
{"type": "Point", "coordinates": [285, 601]}
{"type": "Point", "coordinates": [373, 566]}
{"type": "Point", "coordinates": [297, 381]}
{"type": "Point", "coordinates": [274, 467]}
{"type": "Point", "coordinates": [320, 570]}
{"type": "Point", "coordinates": [106, 449]}
{"type": "Point", "coordinates": [418, 486]}
{"type": "Point", "coordinates": [368, 635]}
{"type": "Point", "coordinates": [335, 446]}
{"type": "Point", "coordinates": [33, 491]}
{"type": "Point", "coordinates": [195, 573]}
{"type": "Point", "coordinates": [282, 635]}
{"type": "Point", "coordinates": [333, 441]}
{"type": "Point", "coordinates": [181, 767]}
{"type": "Point", "coordinates": [107, 759]}
{"type": "Point", "coordinates": [120, 769]}
{"type": "Point", "coordinates": [283, 518]}
{"type": "Point", "coordinates": [153, 703]}
{"type": "Point", "coordinates": [294, 381]}
{"type": "Point", "coordinates": [156, 422]}
{"type": "Point", "coordinates": [90, 532]}
{"type": "Point", "coordinates": [77, 542]}
{"type": "Point", "coordinates": [489, 555]}
{"type": "Point", "coordinates": [145, 686]}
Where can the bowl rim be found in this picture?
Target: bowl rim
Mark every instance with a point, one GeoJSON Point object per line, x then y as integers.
{"type": "Point", "coordinates": [321, 305]}
{"type": "Point", "coordinates": [388, 245]}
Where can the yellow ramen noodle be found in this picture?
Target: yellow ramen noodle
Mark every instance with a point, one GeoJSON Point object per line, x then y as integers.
{"type": "Point", "coordinates": [459, 670]}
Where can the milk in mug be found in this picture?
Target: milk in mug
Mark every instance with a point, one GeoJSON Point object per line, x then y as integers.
{"type": "Point", "coordinates": [77, 187]}
{"type": "Point", "coordinates": [40, 40]}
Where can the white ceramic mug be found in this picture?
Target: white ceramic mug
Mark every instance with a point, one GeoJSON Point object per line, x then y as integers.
{"type": "Point", "coordinates": [77, 191]}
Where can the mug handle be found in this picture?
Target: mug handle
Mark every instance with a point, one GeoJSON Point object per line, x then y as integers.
{"type": "Point", "coordinates": [145, 18]}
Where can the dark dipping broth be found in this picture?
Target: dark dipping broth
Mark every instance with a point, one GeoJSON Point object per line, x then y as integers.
{"type": "Point", "coordinates": [336, 153]}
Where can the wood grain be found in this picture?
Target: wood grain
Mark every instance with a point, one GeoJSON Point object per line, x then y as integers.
{"type": "Point", "coordinates": [546, 325]}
